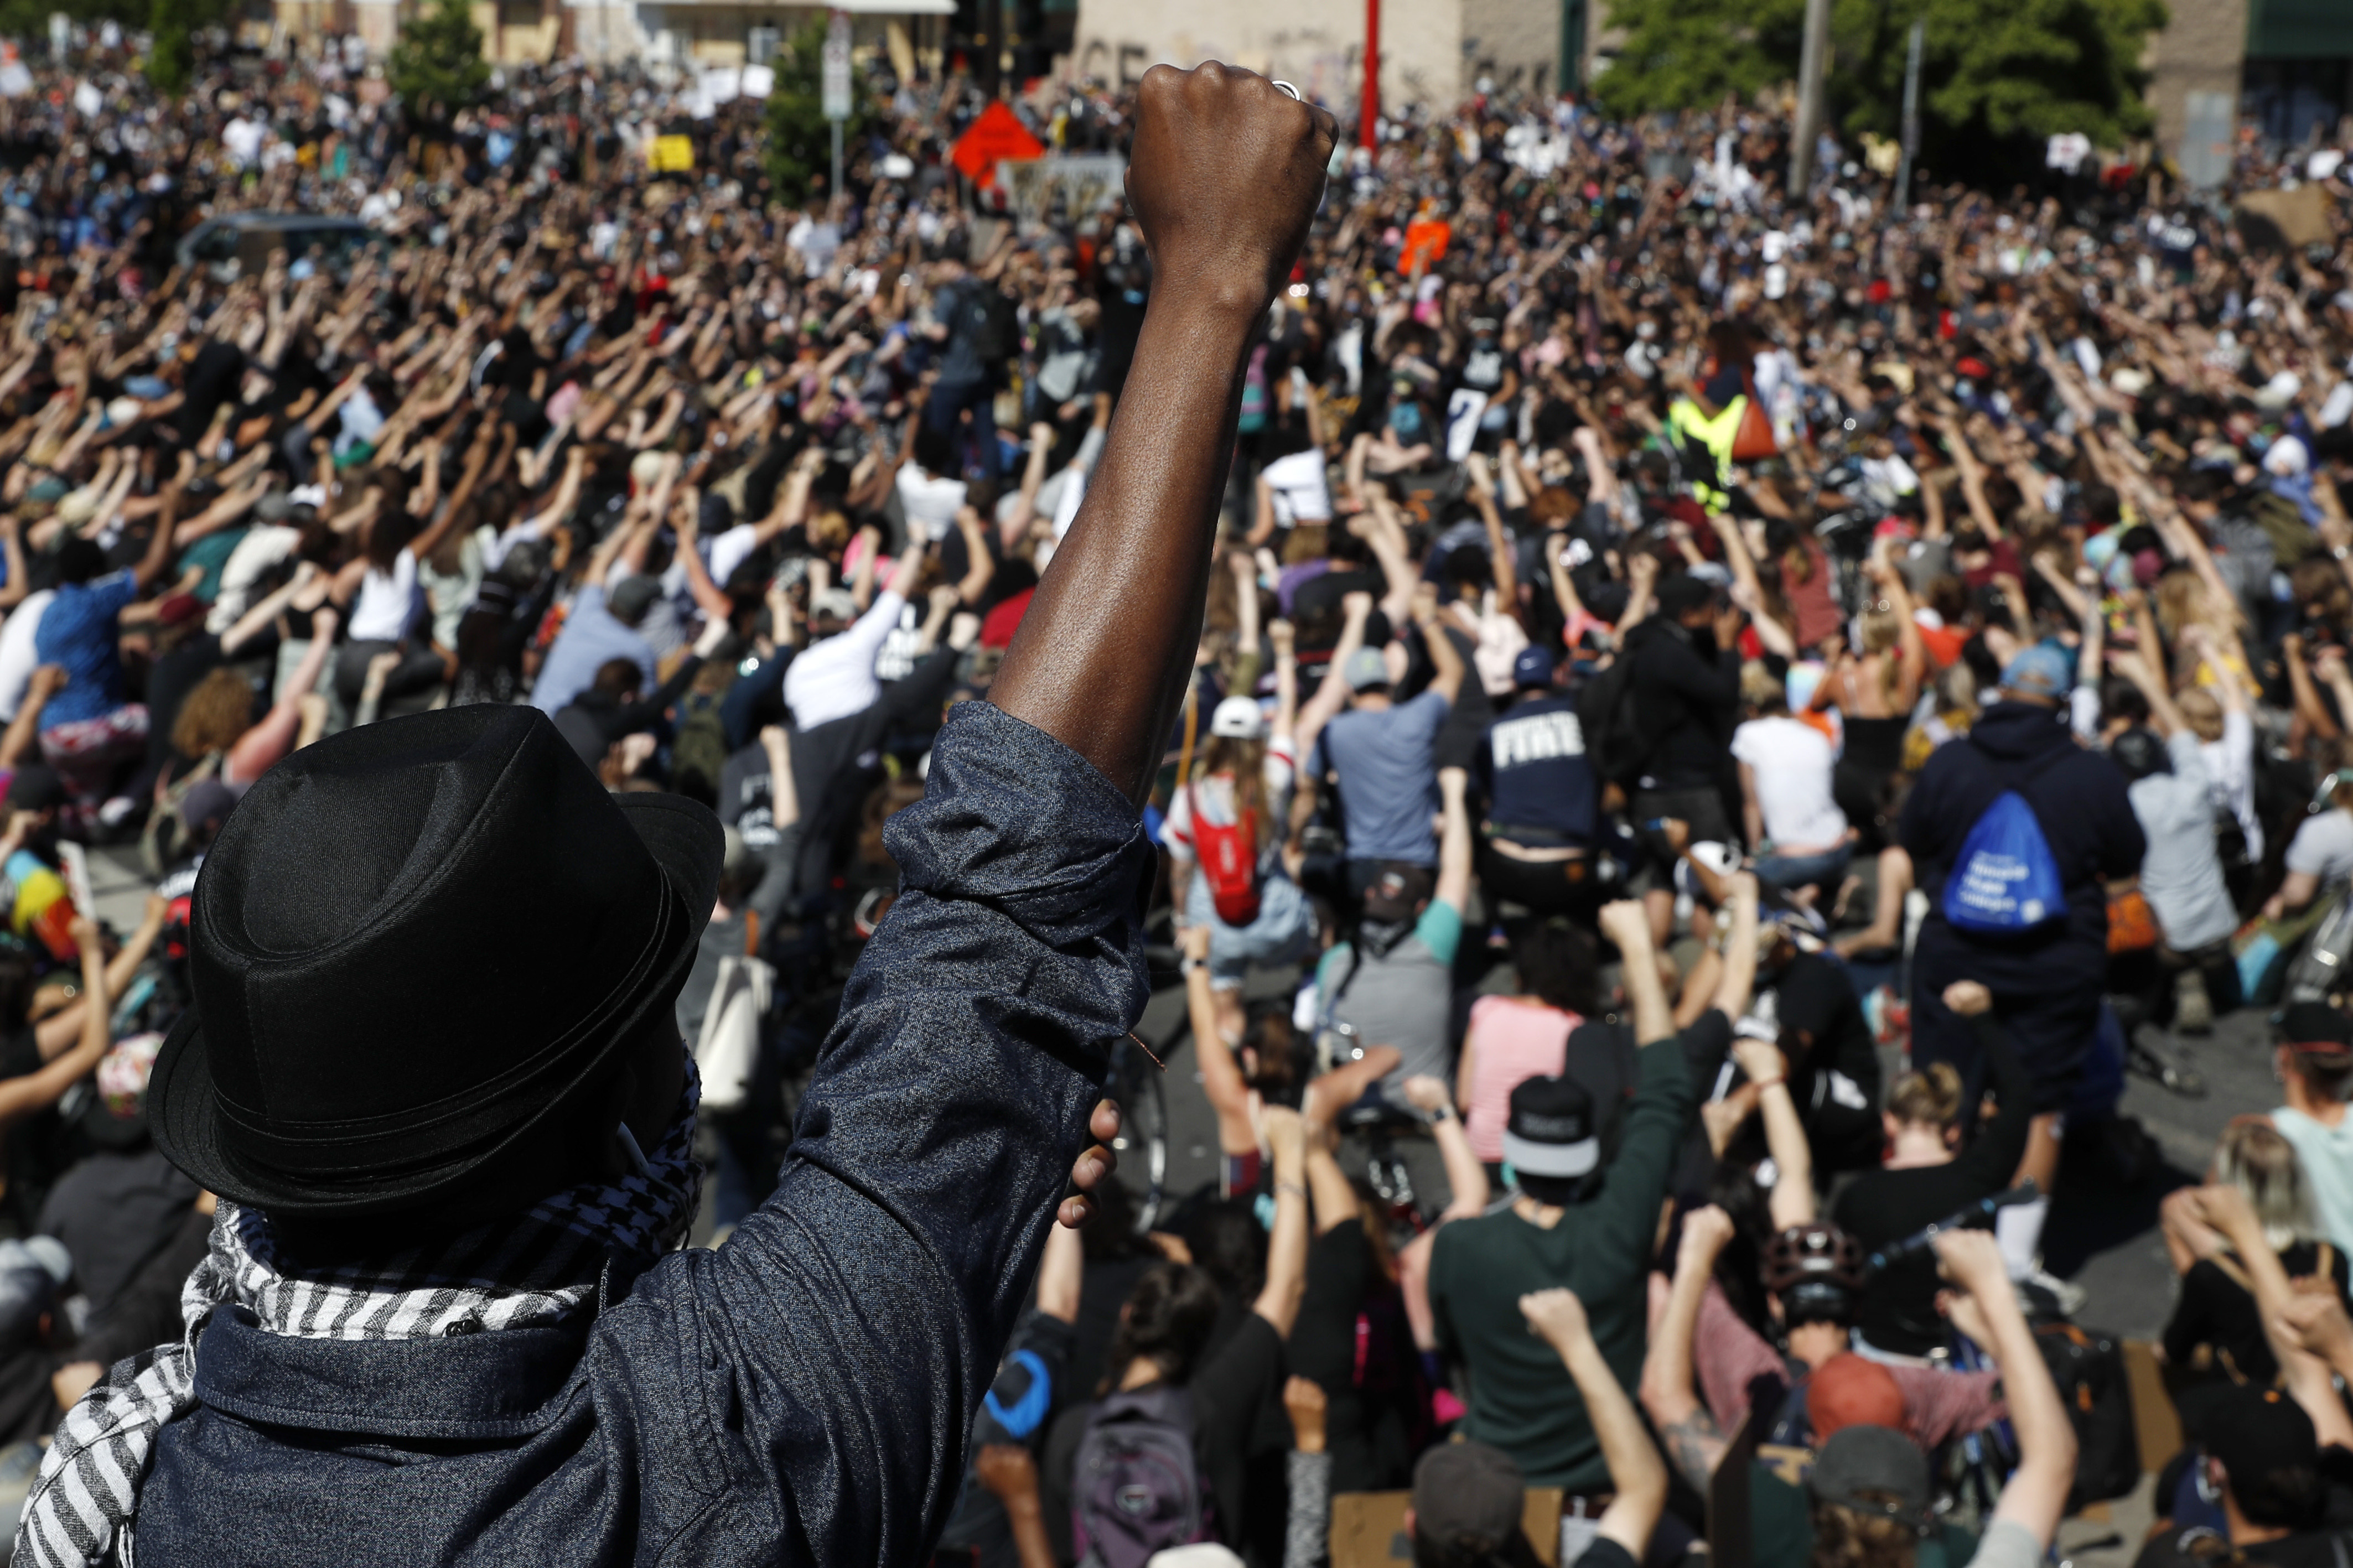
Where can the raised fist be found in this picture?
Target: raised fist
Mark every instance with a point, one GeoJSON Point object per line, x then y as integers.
{"type": "Point", "coordinates": [1224, 178]}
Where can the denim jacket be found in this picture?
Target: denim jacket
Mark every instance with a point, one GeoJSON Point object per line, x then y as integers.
{"type": "Point", "coordinates": [802, 1394]}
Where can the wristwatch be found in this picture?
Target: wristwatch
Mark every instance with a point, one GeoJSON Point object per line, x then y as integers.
{"type": "Point", "coordinates": [1187, 964]}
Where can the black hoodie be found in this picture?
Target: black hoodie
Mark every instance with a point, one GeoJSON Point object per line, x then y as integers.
{"type": "Point", "coordinates": [2080, 801]}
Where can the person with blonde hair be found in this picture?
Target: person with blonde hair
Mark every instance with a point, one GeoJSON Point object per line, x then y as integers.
{"type": "Point", "coordinates": [2216, 1334]}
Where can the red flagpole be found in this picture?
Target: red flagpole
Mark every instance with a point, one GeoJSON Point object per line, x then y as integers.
{"type": "Point", "coordinates": [1367, 130]}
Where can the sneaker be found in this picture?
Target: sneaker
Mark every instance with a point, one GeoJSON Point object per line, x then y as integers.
{"type": "Point", "coordinates": [2193, 1010]}
{"type": "Point", "coordinates": [2065, 1294]}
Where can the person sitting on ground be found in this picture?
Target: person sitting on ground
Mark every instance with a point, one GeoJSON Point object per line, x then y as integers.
{"type": "Point", "coordinates": [1867, 1495]}
{"type": "Point", "coordinates": [1261, 1066]}
{"type": "Point", "coordinates": [1225, 835]}
{"type": "Point", "coordinates": [1929, 1176]}
{"type": "Point", "coordinates": [1390, 984]}
{"type": "Point", "coordinates": [1164, 1370]}
{"type": "Point", "coordinates": [1793, 824]}
{"type": "Point", "coordinates": [1514, 1038]}
{"type": "Point", "coordinates": [1542, 798]}
{"type": "Point", "coordinates": [1813, 1275]}
{"type": "Point", "coordinates": [1576, 1223]}
{"type": "Point", "coordinates": [2313, 1058]}
{"type": "Point", "coordinates": [2216, 1335]}
{"type": "Point", "coordinates": [1380, 752]}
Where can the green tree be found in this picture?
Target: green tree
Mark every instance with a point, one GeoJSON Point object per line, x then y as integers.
{"type": "Point", "coordinates": [173, 59]}
{"type": "Point", "coordinates": [800, 147]}
{"type": "Point", "coordinates": [1689, 54]}
{"type": "Point", "coordinates": [438, 58]}
{"type": "Point", "coordinates": [1997, 76]}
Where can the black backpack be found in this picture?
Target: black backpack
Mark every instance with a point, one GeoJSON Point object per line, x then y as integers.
{"type": "Point", "coordinates": [2089, 1368]}
{"type": "Point", "coordinates": [1615, 744]}
{"type": "Point", "coordinates": [996, 329]}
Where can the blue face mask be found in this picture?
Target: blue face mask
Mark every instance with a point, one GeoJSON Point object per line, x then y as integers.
{"type": "Point", "coordinates": [1405, 418]}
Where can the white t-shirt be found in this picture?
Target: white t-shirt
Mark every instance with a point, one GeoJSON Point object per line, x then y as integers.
{"type": "Point", "coordinates": [733, 548]}
{"type": "Point", "coordinates": [834, 679]}
{"type": "Point", "coordinates": [387, 602]}
{"type": "Point", "coordinates": [1792, 762]}
{"type": "Point", "coordinates": [2323, 847]}
{"type": "Point", "coordinates": [929, 503]}
{"type": "Point", "coordinates": [1302, 492]}
{"type": "Point", "coordinates": [263, 547]}
{"type": "Point", "coordinates": [18, 656]}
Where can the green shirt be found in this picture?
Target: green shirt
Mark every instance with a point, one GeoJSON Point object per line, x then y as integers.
{"type": "Point", "coordinates": [1521, 1397]}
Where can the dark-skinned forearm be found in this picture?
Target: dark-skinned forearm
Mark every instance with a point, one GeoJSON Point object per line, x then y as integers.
{"type": "Point", "coordinates": [1101, 659]}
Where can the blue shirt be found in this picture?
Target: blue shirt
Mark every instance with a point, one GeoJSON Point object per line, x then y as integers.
{"type": "Point", "coordinates": [590, 637]}
{"type": "Point", "coordinates": [1388, 786]}
{"type": "Point", "coordinates": [79, 631]}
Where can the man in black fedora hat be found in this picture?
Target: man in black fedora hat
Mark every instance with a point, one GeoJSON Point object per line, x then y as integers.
{"type": "Point", "coordinates": [432, 1071]}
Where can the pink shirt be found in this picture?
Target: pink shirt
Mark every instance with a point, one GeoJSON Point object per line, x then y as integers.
{"type": "Point", "coordinates": [1726, 1353]}
{"type": "Point", "coordinates": [1512, 1041]}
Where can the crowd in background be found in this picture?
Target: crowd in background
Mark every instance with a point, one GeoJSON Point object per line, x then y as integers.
{"type": "Point", "coordinates": [1721, 719]}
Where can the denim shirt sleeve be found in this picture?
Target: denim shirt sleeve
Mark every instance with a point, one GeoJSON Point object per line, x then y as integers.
{"type": "Point", "coordinates": [858, 1317]}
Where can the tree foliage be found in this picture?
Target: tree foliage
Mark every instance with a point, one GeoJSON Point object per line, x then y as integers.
{"type": "Point", "coordinates": [438, 58]}
{"type": "Point", "coordinates": [1995, 75]}
{"type": "Point", "coordinates": [800, 147]}
{"type": "Point", "coordinates": [172, 61]}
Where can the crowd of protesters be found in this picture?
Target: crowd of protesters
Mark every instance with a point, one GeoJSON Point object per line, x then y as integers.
{"type": "Point", "coordinates": [1720, 720]}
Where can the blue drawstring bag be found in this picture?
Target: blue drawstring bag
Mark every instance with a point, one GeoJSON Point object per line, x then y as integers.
{"type": "Point", "coordinates": [2005, 881]}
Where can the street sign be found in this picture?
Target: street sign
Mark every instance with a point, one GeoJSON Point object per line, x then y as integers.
{"type": "Point", "coordinates": [837, 67]}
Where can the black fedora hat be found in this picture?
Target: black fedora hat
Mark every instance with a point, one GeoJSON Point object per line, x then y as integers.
{"type": "Point", "coordinates": [410, 945]}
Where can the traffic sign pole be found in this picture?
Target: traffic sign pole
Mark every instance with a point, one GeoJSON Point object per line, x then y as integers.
{"type": "Point", "coordinates": [837, 87]}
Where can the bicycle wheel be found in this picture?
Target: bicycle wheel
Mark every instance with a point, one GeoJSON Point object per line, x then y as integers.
{"type": "Point", "coordinates": [1143, 1141]}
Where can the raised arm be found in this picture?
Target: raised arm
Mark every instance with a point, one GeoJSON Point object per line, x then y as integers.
{"type": "Point", "coordinates": [1625, 924]}
{"type": "Point", "coordinates": [1792, 1201]}
{"type": "Point", "coordinates": [1225, 175]}
{"type": "Point", "coordinates": [21, 1097]}
{"type": "Point", "coordinates": [1984, 1307]}
{"type": "Point", "coordinates": [1286, 1243]}
{"type": "Point", "coordinates": [1466, 1177]}
{"type": "Point", "coordinates": [1558, 1317]}
{"type": "Point", "coordinates": [1454, 843]}
{"type": "Point", "coordinates": [1695, 1441]}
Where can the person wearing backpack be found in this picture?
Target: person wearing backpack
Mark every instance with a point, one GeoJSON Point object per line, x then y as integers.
{"type": "Point", "coordinates": [973, 325]}
{"type": "Point", "coordinates": [1159, 1460]}
{"type": "Point", "coordinates": [1225, 836]}
{"type": "Point", "coordinates": [2014, 832]}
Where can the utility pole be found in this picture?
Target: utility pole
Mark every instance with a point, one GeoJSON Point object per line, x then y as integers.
{"type": "Point", "coordinates": [836, 62]}
{"type": "Point", "coordinates": [1811, 64]}
{"type": "Point", "coordinates": [1911, 120]}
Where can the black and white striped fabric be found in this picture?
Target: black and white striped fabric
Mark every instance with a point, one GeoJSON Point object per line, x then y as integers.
{"type": "Point", "coordinates": [513, 1273]}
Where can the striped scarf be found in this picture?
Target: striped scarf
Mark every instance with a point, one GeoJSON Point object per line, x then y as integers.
{"type": "Point", "coordinates": [512, 1273]}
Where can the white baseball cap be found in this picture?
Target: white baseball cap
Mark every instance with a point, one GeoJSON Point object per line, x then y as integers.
{"type": "Point", "coordinates": [1238, 719]}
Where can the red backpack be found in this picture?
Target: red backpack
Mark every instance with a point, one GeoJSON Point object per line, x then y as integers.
{"type": "Point", "coordinates": [1229, 857]}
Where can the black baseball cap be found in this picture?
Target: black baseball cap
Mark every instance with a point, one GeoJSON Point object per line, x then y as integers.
{"type": "Point", "coordinates": [1873, 1469]}
{"type": "Point", "coordinates": [1552, 1130]}
{"type": "Point", "coordinates": [36, 788]}
{"type": "Point", "coordinates": [2307, 1028]}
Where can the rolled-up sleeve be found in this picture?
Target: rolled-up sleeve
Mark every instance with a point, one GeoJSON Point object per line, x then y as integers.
{"type": "Point", "coordinates": [856, 1319]}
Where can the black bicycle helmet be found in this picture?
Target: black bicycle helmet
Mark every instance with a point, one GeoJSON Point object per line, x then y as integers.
{"type": "Point", "coordinates": [1816, 1270]}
